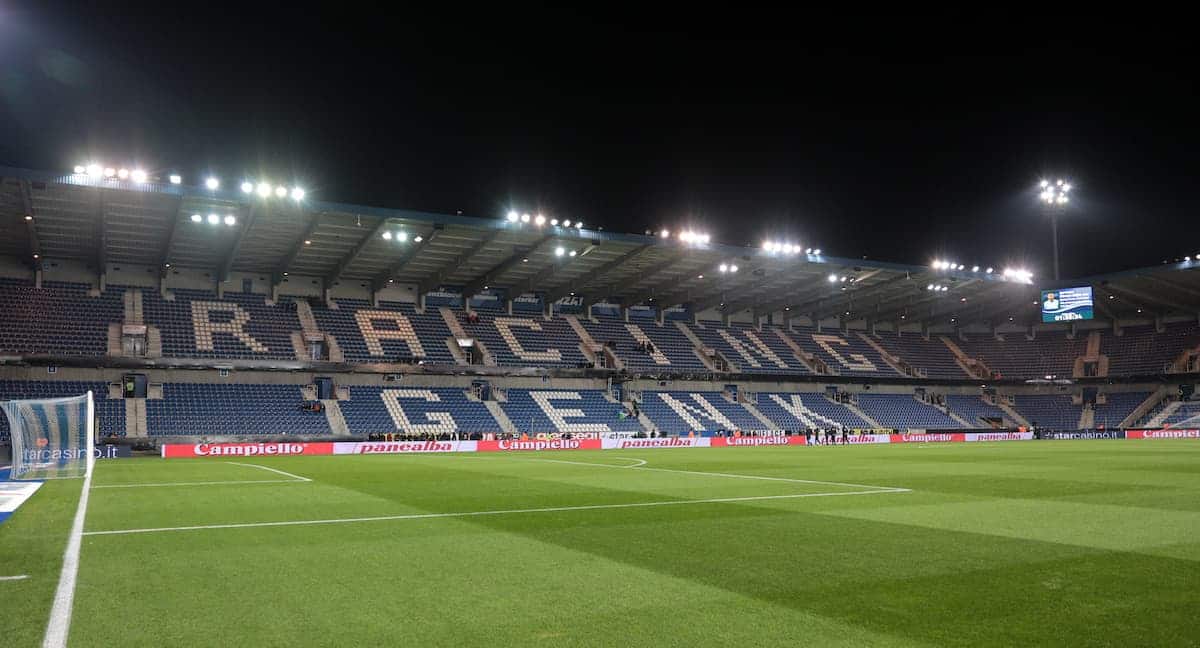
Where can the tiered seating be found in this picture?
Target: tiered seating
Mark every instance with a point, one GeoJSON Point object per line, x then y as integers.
{"type": "Point", "coordinates": [1119, 405]}
{"type": "Point", "coordinates": [521, 341]}
{"type": "Point", "coordinates": [674, 352]}
{"type": "Point", "coordinates": [932, 355]}
{"type": "Point", "coordinates": [845, 353]}
{"type": "Point", "coordinates": [683, 412]}
{"type": "Point", "coordinates": [110, 412]}
{"type": "Point", "coordinates": [902, 411]}
{"type": "Point", "coordinates": [415, 410]}
{"type": "Point", "coordinates": [530, 410]}
{"type": "Point", "coordinates": [240, 326]}
{"type": "Point", "coordinates": [58, 319]}
{"type": "Point", "coordinates": [751, 350]}
{"type": "Point", "coordinates": [1142, 351]}
{"type": "Point", "coordinates": [811, 411]}
{"type": "Point", "coordinates": [1188, 415]}
{"type": "Point", "coordinates": [973, 409]}
{"type": "Point", "coordinates": [224, 409]}
{"type": "Point", "coordinates": [1016, 357]}
{"type": "Point", "coordinates": [1048, 410]}
{"type": "Point", "coordinates": [355, 320]}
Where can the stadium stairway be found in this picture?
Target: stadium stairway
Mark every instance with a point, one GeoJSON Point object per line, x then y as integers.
{"type": "Point", "coordinates": [948, 412]}
{"type": "Point", "coordinates": [853, 407]}
{"type": "Point", "coordinates": [1010, 412]}
{"type": "Point", "coordinates": [894, 361]}
{"type": "Point", "coordinates": [1087, 417]}
{"type": "Point", "coordinates": [1152, 401]}
{"type": "Point", "coordinates": [590, 347]}
{"type": "Point", "coordinates": [1091, 354]}
{"type": "Point", "coordinates": [970, 366]}
{"type": "Point", "coordinates": [335, 418]}
{"type": "Point", "coordinates": [813, 363]}
{"type": "Point", "coordinates": [700, 348]}
{"type": "Point", "coordinates": [502, 419]}
{"type": "Point", "coordinates": [770, 425]}
{"type": "Point", "coordinates": [460, 333]}
{"type": "Point", "coordinates": [1165, 413]}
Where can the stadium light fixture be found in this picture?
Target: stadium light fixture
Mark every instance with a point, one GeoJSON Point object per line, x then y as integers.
{"type": "Point", "coordinates": [139, 176]}
{"type": "Point", "coordinates": [525, 217]}
{"type": "Point", "coordinates": [559, 251]}
{"type": "Point", "coordinates": [213, 219]}
{"type": "Point", "coordinates": [571, 253]}
{"type": "Point", "coordinates": [387, 236]}
{"type": "Point", "coordinates": [308, 241]}
{"type": "Point", "coordinates": [28, 217]}
{"type": "Point", "coordinates": [733, 268]}
{"type": "Point", "coordinates": [263, 189]}
{"type": "Point", "coordinates": [247, 187]}
{"type": "Point", "coordinates": [1054, 200]}
{"type": "Point", "coordinates": [554, 222]}
{"type": "Point", "coordinates": [176, 179]}
{"type": "Point", "coordinates": [122, 174]}
{"type": "Point", "coordinates": [808, 250]}
{"type": "Point", "coordinates": [418, 238]}
{"type": "Point", "coordinates": [723, 267]}
{"type": "Point", "coordinates": [109, 172]}
{"type": "Point", "coordinates": [832, 278]}
{"type": "Point", "coordinates": [567, 223]}
{"type": "Point", "coordinates": [539, 220]}
{"type": "Point", "coordinates": [974, 268]}
{"type": "Point", "coordinates": [578, 225]}
{"type": "Point", "coordinates": [298, 194]}
{"type": "Point", "coordinates": [929, 287]}
{"type": "Point", "coordinates": [402, 236]}
{"type": "Point", "coordinates": [80, 169]}
{"type": "Point", "coordinates": [212, 184]}
{"type": "Point", "coordinates": [196, 218]}
{"type": "Point", "coordinates": [513, 216]}
{"type": "Point", "coordinates": [665, 233]}
{"type": "Point", "coordinates": [94, 170]}
{"type": "Point", "coordinates": [699, 276]}
{"type": "Point", "coordinates": [990, 270]}
{"type": "Point", "coordinates": [281, 191]}
{"type": "Point", "coordinates": [817, 251]}
{"type": "Point", "coordinates": [230, 220]}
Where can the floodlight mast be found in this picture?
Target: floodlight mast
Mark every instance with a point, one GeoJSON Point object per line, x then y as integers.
{"type": "Point", "coordinates": [1054, 201]}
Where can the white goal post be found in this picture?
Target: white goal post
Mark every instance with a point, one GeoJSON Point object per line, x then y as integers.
{"type": "Point", "coordinates": [52, 438]}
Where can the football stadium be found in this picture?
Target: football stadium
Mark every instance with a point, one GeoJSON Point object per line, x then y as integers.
{"type": "Point", "coordinates": [336, 335]}
{"type": "Point", "coordinates": [269, 397]}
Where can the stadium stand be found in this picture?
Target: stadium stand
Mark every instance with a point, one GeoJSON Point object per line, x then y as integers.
{"type": "Point", "coordinates": [931, 355]}
{"type": "Point", "coordinates": [110, 411]}
{"type": "Point", "coordinates": [1050, 353]}
{"type": "Point", "coordinates": [902, 411]}
{"type": "Point", "coordinates": [391, 332]}
{"type": "Point", "coordinates": [240, 326]}
{"type": "Point", "coordinates": [416, 411]}
{"type": "Point", "coordinates": [802, 411]}
{"type": "Point", "coordinates": [57, 319]}
{"type": "Point", "coordinates": [749, 349]}
{"type": "Point", "coordinates": [1142, 351]}
{"type": "Point", "coordinates": [845, 353]}
{"type": "Point", "coordinates": [523, 341]}
{"type": "Point", "coordinates": [577, 411]}
{"type": "Point", "coordinates": [974, 410]}
{"type": "Point", "coordinates": [1048, 410]}
{"type": "Point", "coordinates": [222, 409]}
{"type": "Point", "coordinates": [673, 352]}
{"type": "Point", "coordinates": [703, 413]}
{"type": "Point", "coordinates": [1119, 406]}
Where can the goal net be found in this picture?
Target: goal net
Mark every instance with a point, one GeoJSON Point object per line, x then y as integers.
{"type": "Point", "coordinates": [52, 438]}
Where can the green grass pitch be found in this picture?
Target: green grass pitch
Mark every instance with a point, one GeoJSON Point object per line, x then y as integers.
{"type": "Point", "coordinates": [1080, 543]}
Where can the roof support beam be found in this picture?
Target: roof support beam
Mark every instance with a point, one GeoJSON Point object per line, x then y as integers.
{"type": "Point", "coordinates": [516, 258]}
{"type": "Point", "coordinates": [297, 247]}
{"type": "Point", "coordinates": [355, 252]}
{"type": "Point", "coordinates": [436, 279]}
{"type": "Point", "coordinates": [593, 277]}
{"type": "Point", "coordinates": [164, 256]}
{"type": "Point", "coordinates": [246, 216]}
{"type": "Point", "coordinates": [35, 245]}
{"type": "Point", "coordinates": [409, 253]}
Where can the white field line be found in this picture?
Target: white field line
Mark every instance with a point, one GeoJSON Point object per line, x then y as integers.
{"type": "Point", "coordinates": [642, 466]}
{"type": "Point", "coordinates": [464, 514]}
{"type": "Point", "coordinates": [14, 578]}
{"type": "Point", "coordinates": [64, 597]}
{"type": "Point", "coordinates": [292, 479]}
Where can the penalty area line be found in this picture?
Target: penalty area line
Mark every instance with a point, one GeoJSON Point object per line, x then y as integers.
{"type": "Point", "coordinates": [14, 578]}
{"type": "Point", "coordinates": [468, 514]}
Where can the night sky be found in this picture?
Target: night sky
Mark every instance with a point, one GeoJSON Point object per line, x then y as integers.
{"type": "Point", "coordinates": [891, 143]}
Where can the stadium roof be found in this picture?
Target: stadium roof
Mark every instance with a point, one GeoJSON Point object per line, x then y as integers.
{"type": "Point", "coordinates": [105, 221]}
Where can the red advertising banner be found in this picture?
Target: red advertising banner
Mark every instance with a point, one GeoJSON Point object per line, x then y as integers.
{"type": "Point", "coordinates": [177, 450]}
{"type": "Point", "coordinates": [1162, 434]}
{"type": "Point", "coordinates": [538, 444]}
{"type": "Point", "coordinates": [726, 442]}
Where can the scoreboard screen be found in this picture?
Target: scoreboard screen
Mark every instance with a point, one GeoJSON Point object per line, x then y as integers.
{"type": "Point", "coordinates": [1067, 304]}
